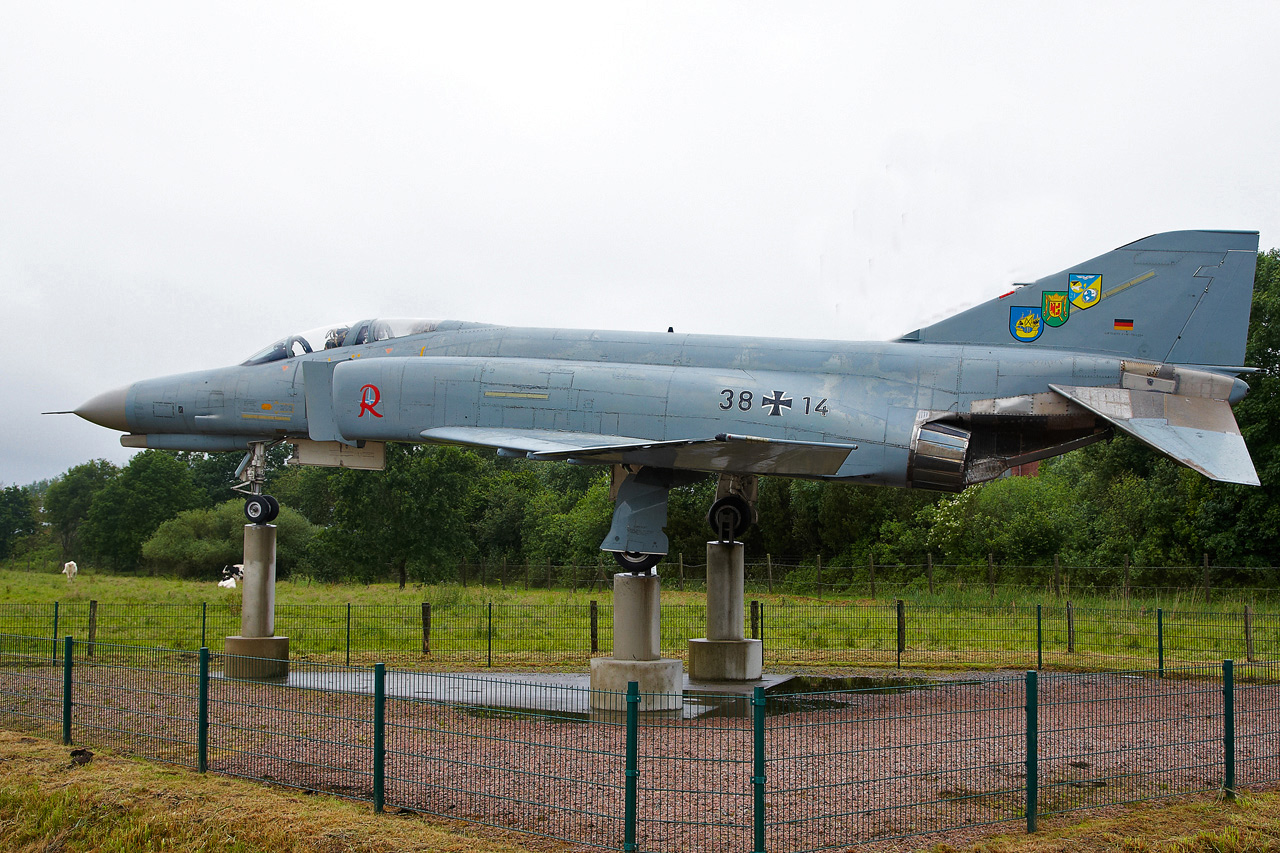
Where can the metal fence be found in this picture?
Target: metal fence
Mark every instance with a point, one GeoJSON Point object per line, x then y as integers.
{"type": "Point", "coordinates": [1057, 635]}
{"type": "Point", "coordinates": [797, 771]}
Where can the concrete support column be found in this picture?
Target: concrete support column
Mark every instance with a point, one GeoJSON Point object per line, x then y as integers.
{"type": "Point", "coordinates": [723, 655]}
{"type": "Point", "coordinates": [256, 652]}
{"type": "Point", "coordinates": [637, 649]}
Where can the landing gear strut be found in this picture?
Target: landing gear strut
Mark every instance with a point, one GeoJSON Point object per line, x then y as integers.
{"type": "Point", "coordinates": [258, 508]}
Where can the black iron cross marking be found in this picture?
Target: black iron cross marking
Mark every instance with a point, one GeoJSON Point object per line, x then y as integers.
{"type": "Point", "coordinates": [778, 401]}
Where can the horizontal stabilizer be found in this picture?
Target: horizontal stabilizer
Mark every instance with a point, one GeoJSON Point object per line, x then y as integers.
{"type": "Point", "coordinates": [1199, 432]}
{"type": "Point", "coordinates": [730, 453]}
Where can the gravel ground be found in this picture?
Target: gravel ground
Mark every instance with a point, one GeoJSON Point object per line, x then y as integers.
{"type": "Point", "coordinates": [843, 769]}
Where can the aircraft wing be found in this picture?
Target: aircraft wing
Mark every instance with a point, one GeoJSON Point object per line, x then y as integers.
{"type": "Point", "coordinates": [725, 452]}
{"type": "Point", "coordinates": [1197, 431]}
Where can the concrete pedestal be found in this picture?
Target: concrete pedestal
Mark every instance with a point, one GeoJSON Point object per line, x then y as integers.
{"type": "Point", "coordinates": [724, 655]}
{"type": "Point", "coordinates": [258, 612]}
{"type": "Point", "coordinates": [637, 621]}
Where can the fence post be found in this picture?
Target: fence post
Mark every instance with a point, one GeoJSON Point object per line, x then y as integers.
{"type": "Point", "coordinates": [871, 568]}
{"type": "Point", "coordinates": [55, 631]}
{"type": "Point", "coordinates": [1039, 638]}
{"type": "Point", "coordinates": [526, 575]}
{"type": "Point", "coordinates": [348, 633]}
{"type": "Point", "coordinates": [66, 689]}
{"type": "Point", "coordinates": [819, 576]}
{"type": "Point", "coordinates": [548, 573]}
{"type": "Point", "coordinates": [928, 567]}
{"type": "Point", "coordinates": [92, 626]}
{"type": "Point", "coordinates": [1071, 628]}
{"type": "Point", "coordinates": [426, 627]}
{"type": "Point", "coordinates": [991, 573]}
{"type": "Point", "coordinates": [902, 630]}
{"type": "Point", "coordinates": [1248, 633]}
{"type": "Point", "coordinates": [761, 637]}
{"type": "Point", "coordinates": [204, 613]}
{"type": "Point", "coordinates": [1033, 750]}
{"type": "Point", "coordinates": [682, 571]}
{"type": "Point", "coordinates": [462, 570]}
{"type": "Point", "coordinates": [1206, 577]}
{"type": "Point", "coordinates": [202, 714]}
{"type": "Point", "coordinates": [757, 778]}
{"type": "Point", "coordinates": [1057, 577]}
{"type": "Point", "coordinates": [1126, 578]}
{"type": "Point", "coordinates": [490, 634]}
{"type": "Point", "coordinates": [595, 626]}
{"type": "Point", "coordinates": [1160, 639]}
{"type": "Point", "coordinates": [632, 771]}
{"type": "Point", "coordinates": [379, 735]}
{"type": "Point", "coordinates": [1229, 729]}
{"type": "Point", "coordinates": [755, 619]}
{"type": "Point", "coordinates": [768, 563]}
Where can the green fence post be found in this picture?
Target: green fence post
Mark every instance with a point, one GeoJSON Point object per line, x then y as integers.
{"type": "Point", "coordinates": [1160, 639]}
{"type": "Point", "coordinates": [1039, 638]}
{"type": "Point", "coordinates": [490, 634]}
{"type": "Point", "coordinates": [204, 614]}
{"type": "Point", "coordinates": [202, 725]}
{"type": "Point", "coordinates": [1229, 729]}
{"type": "Point", "coordinates": [1033, 750]}
{"type": "Point", "coordinates": [67, 688]}
{"type": "Point", "coordinates": [629, 809]}
{"type": "Point", "coordinates": [55, 631]}
{"type": "Point", "coordinates": [379, 735]}
{"type": "Point", "coordinates": [757, 779]}
{"type": "Point", "coordinates": [348, 633]}
{"type": "Point", "coordinates": [902, 629]}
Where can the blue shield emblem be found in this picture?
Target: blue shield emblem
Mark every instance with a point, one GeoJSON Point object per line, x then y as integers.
{"type": "Point", "coordinates": [1025, 323]}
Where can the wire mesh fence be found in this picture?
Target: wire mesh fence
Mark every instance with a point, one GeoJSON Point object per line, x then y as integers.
{"type": "Point", "coordinates": [800, 770]}
{"type": "Point", "coordinates": [1056, 635]}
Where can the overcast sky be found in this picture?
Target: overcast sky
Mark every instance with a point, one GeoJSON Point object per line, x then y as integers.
{"type": "Point", "coordinates": [182, 183]}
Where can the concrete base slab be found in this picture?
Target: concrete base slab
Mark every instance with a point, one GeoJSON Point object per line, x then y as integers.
{"type": "Point", "coordinates": [726, 660]}
{"type": "Point", "coordinates": [256, 657]}
{"type": "Point", "coordinates": [661, 683]}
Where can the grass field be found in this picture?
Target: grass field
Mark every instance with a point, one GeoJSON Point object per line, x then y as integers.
{"type": "Point", "coordinates": [541, 628]}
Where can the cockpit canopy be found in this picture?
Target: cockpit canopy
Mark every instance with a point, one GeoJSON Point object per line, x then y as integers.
{"type": "Point", "coordinates": [337, 337]}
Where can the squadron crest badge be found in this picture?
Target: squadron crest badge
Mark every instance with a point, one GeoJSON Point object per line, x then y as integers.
{"type": "Point", "coordinates": [1054, 307]}
{"type": "Point", "coordinates": [1085, 289]}
{"type": "Point", "coordinates": [1024, 322]}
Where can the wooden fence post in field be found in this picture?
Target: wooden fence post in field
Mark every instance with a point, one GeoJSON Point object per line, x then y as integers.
{"type": "Point", "coordinates": [871, 567]}
{"type": "Point", "coordinates": [928, 567]}
{"type": "Point", "coordinates": [1057, 577]}
{"type": "Point", "coordinates": [426, 627]}
{"type": "Point", "coordinates": [1206, 577]}
{"type": "Point", "coordinates": [819, 576]}
{"type": "Point", "coordinates": [92, 625]}
{"type": "Point", "coordinates": [1071, 628]}
{"type": "Point", "coordinates": [502, 578]}
{"type": "Point", "coordinates": [768, 564]}
{"type": "Point", "coordinates": [991, 574]}
{"type": "Point", "coordinates": [1126, 578]}
{"type": "Point", "coordinates": [463, 569]}
{"type": "Point", "coordinates": [682, 571]}
{"type": "Point", "coordinates": [595, 627]}
{"type": "Point", "coordinates": [526, 576]}
{"type": "Point", "coordinates": [548, 573]}
{"type": "Point", "coordinates": [1248, 633]}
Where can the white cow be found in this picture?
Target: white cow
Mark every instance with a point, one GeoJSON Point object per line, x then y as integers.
{"type": "Point", "coordinates": [69, 569]}
{"type": "Point", "coordinates": [228, 583]}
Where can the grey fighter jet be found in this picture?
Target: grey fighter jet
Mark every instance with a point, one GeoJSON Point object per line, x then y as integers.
{"type": "Point", "coordinates": [1147, 339]}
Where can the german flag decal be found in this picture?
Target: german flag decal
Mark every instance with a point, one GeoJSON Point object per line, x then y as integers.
{"type": "Point", "coordinates": [1124, 325]}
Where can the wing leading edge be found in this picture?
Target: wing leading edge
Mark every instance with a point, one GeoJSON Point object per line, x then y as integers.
{"type": "Point", "coordinates": [1199, 432]}
{"type": "Point", "coordinates": [724, 453]}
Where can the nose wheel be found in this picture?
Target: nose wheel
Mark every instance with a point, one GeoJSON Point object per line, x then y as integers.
{"type": "Point", "coordinates": [261, 509]}
{"type": "Point", "coordinates": [637, 563]}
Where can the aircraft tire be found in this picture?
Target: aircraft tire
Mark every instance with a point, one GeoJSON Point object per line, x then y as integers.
{"type": "Point", "coordinates": [274, 505]}
{"type": "Point", "coordinates": [258, 509]}
{"type": "Point", "coordinates": [635, 562]}
{"type": "Point", "coordinates": [731, 511]}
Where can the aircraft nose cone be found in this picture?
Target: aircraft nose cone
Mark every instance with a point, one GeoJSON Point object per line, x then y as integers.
{"type": "Point", "coordinates": [107, 409]}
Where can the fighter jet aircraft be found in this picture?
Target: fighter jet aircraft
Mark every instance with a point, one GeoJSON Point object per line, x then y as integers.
{"type": "Point", "coordinates": [1147, 339]}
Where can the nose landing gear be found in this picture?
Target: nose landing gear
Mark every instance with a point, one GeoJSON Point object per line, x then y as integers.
{"type": "Point", "coordinates": [258, 508]}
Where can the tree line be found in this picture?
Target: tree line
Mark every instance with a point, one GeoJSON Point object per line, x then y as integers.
{"type": "Point", "coordinates": [436, 508]}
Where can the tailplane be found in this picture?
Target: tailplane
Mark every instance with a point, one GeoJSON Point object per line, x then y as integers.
{"type": "Point", "coordinates": [1181, 297]}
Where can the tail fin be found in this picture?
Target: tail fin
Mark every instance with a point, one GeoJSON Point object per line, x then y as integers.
{"type": "Point", "coordinates": [1181, 297]}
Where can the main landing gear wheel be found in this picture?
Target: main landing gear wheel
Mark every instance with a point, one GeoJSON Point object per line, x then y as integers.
{"type": "Point", "coordinates": [635, 562]}
{"type": "Point", "coordinates": [261, 509]}
{"type": "Point", "coordinates": [729, 517]}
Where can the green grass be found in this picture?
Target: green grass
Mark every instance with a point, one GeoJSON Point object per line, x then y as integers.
{"type": "Point", "coordinates": [552, 628]}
